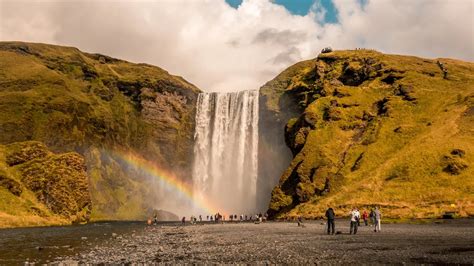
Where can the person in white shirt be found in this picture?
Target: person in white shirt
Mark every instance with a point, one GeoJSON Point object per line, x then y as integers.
{"type": "Point", "coordinates": [355, 216]}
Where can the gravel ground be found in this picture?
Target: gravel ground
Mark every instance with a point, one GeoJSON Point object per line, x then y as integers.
{"type": "Point", "coordinates": [279, 242]}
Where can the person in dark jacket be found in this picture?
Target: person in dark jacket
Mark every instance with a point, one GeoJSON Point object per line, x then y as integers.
{"type": "Point", "coordinates": [372, 216]}
{"type": "Point", "coordinates": [330, 216]}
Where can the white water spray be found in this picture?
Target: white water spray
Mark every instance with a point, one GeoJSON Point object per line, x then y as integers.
{"type": "Point", "coordinates": [226, 151]}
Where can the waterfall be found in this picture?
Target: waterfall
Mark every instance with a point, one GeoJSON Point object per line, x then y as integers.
{"type": "Point", "coordinates": [226, 151]}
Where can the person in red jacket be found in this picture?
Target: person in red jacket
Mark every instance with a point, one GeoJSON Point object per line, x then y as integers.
{"type": "Point", "coordinates": [365, 215]}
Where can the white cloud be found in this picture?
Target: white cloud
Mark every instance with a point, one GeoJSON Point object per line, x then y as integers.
{"type": "Point", "coordinates": [220, 48]}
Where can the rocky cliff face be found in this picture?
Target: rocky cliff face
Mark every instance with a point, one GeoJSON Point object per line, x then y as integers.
{"type": "Point", "coordinates": [96, 105]}
{"type": "Point", "coordinates": [369, 129]}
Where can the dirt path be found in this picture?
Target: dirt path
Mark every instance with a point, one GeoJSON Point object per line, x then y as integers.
{"type": "Point", "coordinates": [451, 242]}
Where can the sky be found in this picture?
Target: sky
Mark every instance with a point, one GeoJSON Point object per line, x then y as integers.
{"type": "Point", "coordinates": [229, 45]}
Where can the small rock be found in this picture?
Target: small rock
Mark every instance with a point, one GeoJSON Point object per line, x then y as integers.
{"type": "Point", "coordinates": [83, 238]}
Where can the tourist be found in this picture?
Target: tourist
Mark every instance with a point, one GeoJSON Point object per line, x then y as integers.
{"type": "Point", "coordinates": [330, 215]}
{"type": "Point", "coordinates": [155, 219]}
{"type": "Point", "coordinates": [257, 219]}
{"type": "Point", "coordinates": [200, 218]}
{"type": "Point", "coordinates": [183, 221]}
{"type": "Point", "coordinates": [212, 218]}
{"type": "Point", "coordinates": [377, 217]}
{"type": "Point", "coordinates": [355, 216]}
{"type": "Point", "coordinates": [300, 221]}
{"type": "Point", "coordinates": [365, 216]}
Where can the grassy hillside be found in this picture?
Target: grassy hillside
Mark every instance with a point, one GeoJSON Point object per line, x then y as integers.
{"type": "Point", "coordinates": [366, 129]}
{"type": "Point", "coordinates": [93, 104]}
{"type": "Point", "coordinates": [38, 187]}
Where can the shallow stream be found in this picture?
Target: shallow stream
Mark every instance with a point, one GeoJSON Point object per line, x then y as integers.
{"type": "Point", "coordinates": [44, 244]}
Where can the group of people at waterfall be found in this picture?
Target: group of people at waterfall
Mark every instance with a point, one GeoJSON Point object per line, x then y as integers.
{"type": "Point", "coordinates": [355, 216]}
{"type": "Point", "coordinates": [232, 218]}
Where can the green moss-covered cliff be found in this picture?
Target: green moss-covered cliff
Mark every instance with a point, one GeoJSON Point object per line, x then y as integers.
{"type": "Point", "coordinates": [94, 105]}
{"type": "Point", "coordinates": [366, 129]}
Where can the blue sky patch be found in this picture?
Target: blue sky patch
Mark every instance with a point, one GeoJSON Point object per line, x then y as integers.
{"type": "Point", "coordinates": [234, 3]}
{"type": "Point", "coordinates": [296, 7]}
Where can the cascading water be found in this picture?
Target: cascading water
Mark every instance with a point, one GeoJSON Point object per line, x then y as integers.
{"type": "Point", "coordinates": [226, 151]}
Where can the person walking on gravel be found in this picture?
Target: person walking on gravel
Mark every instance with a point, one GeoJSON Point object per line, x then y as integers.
{"type": "Point", "coordinates": [372, 218]}
{"type": "Point", "coordinates": [377, 219]}
{"type": "Point", "coordinates": [364, 217]}
{"type": "Point", "coordinates": [330, 216]}
{"type": "Point", "coordinates": [355, 216]}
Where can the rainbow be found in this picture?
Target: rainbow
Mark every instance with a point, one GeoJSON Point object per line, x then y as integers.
{"type": "Point", "coordinates": [168, 177]}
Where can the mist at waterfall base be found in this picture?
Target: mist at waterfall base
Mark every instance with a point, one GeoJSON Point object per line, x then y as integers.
{"type": "Point", "coordinates": [226, 151]}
